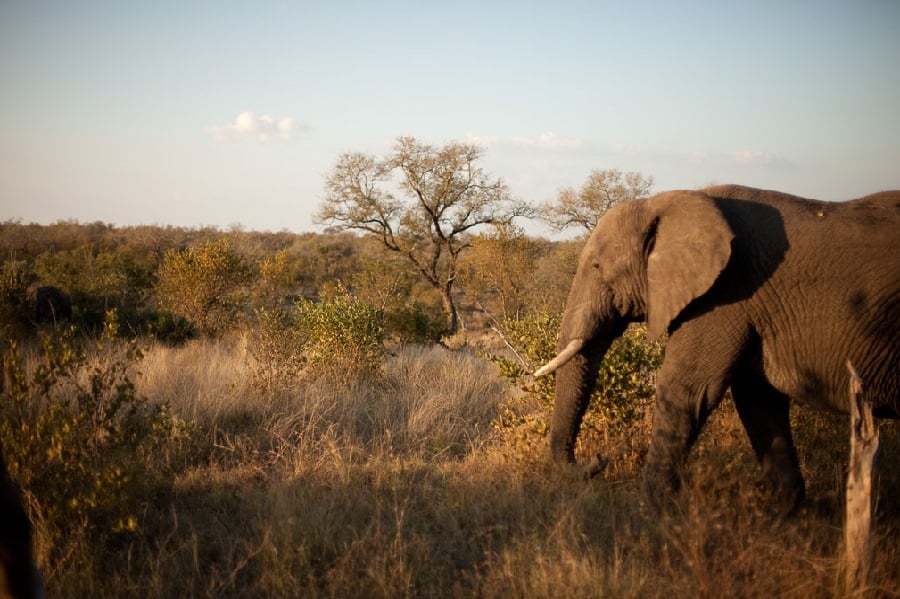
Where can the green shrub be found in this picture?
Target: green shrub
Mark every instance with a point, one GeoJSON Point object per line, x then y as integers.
{"type": "Point", "coordinates": [624, 388]}
{"type": "Point", "coordinates": [167, 327]}
{"type": "Point", "coordinates": [414, 323]}
{"type": "Point", "coordinates": [15, 311]}
{"type": "Point", "coordinates": [100, 277]}
{"type": "Point", "coordinates": [278, 280]}
{"type": "Point", "coordinates": [276, 345]}
{"type": "Point", "coordinates": [342, 335]}
{"type": "Point", "coordinates": [410, 312]}
{"type": "Point", "coordinates": [76, 434]}
{"type": "Point", "coordinates": [203, 284]}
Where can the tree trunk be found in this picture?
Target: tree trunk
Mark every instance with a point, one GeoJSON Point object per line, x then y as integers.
{"type": "Point", "coordinates": [863, 447]}
{"type": "Point", "coordinates": [450, 309]}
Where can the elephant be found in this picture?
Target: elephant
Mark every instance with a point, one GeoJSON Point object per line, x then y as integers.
{"type": "Point", "coordinates": [51, 304]}
{"type": "Point", "coordinates": [19, 577]}
{"type": "Point", "coordinates": [765, 293]}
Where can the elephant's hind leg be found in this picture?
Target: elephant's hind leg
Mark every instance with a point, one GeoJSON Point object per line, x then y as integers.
{"type": "Point", "coordinates": [764, 411]}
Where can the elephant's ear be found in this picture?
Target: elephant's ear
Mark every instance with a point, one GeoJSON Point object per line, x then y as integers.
{"type": "Point", "coordinates": [692, 245]}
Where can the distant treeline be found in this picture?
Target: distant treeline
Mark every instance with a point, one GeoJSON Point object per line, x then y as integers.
{"type": "Point", "coordinates": [174, 283]}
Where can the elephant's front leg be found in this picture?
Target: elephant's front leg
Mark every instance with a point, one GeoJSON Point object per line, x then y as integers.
{"type": "Point", "coordinates": [700, 358]}
{"type": "Point", "coordinates": [682, 407]}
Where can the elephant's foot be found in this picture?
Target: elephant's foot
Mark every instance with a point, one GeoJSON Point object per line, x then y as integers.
{"type": "Point", "coordinates": [586, 471]}
{"type": "Point", "coordinates": [660, 487]}
{"type": "Point", "coordinates": [786, 491]}
{"type": "Point", "coordinates": [595, 467]}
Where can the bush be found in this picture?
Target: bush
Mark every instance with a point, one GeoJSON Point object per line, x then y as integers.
{"type": "Point", "coordinates": [100, 277]}
{"type": "Point", "coordinates": [342, 335]}
{"type": "Point", "coordinates": [15, 311]}
{"type": "Point", "coordinates": [167, 327]}
{"type": "Point", "coordinates": [276, 348]}
{"type": "Point", "coordinates": [76, 434]}
{"type": "Point", "coordinates": [414, 323]}
{"type": "Point", "coordinates": [203, 284]}
{"type": "Point", "coordinates": [410, 312]}
{"type": "Point", "coordinates": [624, 388]}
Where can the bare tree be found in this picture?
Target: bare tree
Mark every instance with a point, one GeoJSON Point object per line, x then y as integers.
{"type": "Point", "coordinates": [428, 215]}
{"type": "Point", "coordinates": [603, 189]}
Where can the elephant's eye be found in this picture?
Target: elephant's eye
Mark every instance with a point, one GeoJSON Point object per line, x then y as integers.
{"type": "Point", "coordinates": [595, 266]}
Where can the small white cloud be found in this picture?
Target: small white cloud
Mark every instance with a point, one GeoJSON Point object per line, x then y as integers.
{"type": "Point", "coordinates": [249, 126]}
{"type": "Point", "coordinates": [548, 141]}
{"type": "Point", "coordinates": [286, 125]}
{"type": "Point", "coordinates": [480, 140]}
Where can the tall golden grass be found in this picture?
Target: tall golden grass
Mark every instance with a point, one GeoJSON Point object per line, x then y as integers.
{"type": "Point", "coordinates": [397, 485]}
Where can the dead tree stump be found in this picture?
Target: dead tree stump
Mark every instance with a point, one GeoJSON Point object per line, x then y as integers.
{"type": "Point", "coordinates": [863, 447]}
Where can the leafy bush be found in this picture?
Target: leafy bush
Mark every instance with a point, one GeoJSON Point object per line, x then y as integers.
{"type": "Point", "coordinates": [203, 284]}
{"type": "Point", "coordinates": [415, 323]}
{"type": "Point", "coordinates": [100, 278]}
{"type": "Point", "coordinates": [411, 313]}
{"type": "Point", "coordinates": [499, 271]}
{"type": "Point", "coordinates": [75, 431]}
{"type": "Point", "coordinates": [277, 280]}
{"type": "Point", "coordinates": [342, 335]}
{"type": "Point", "coordinates": [276, 347]}
{"type": "Point", "coordinates": [14, 308]}
{"type": "Point", "coordinates": [167, 327]}
{"type": "Point", "coordinates": [624, 388]}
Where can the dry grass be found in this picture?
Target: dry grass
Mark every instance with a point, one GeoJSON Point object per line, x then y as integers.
{"type": "Point", "coordinates": [397, 486]}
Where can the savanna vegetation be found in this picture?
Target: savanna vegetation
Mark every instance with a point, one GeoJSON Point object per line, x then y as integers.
{"type": "Point", "coordinates": [235, 413]}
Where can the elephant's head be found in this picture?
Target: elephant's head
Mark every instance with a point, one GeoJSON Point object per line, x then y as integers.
{"type": "Point", "coordinates": [646, 260]}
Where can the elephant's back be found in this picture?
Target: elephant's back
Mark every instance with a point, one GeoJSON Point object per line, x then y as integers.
{"type": "Point", "coordinates": [829, 292]}
{"type": "Point", "coordinates": [884, 199]}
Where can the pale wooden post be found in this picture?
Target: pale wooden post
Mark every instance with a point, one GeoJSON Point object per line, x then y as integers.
{"type": "Point", "coordinates": [863, 447]}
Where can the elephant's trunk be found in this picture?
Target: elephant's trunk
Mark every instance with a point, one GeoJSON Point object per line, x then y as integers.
{"type": "Point", "coordinates": [575, 381]}
{"type": "Point", "coordinates": [587, 330]}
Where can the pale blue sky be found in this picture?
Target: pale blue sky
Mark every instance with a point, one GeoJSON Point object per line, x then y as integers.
{"type": "Point", "coordinates": [136, 113]}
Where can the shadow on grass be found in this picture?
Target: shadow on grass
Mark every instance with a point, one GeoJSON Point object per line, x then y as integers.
{"type": "Point", "coordinates": [334, 520]}
{"type": "Point", "coordinates": [397, 526]}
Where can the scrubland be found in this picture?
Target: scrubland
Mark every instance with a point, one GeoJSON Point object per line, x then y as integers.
{"type": "Point", "coordinates": [222, 420]}
{"type": "Point", "coordinates": [407, 483]}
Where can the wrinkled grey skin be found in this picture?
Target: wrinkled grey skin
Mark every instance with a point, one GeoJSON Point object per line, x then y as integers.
{"type": "Point", "coordinates": [762, 292]}
{"type": "Point", "coordinates": [51, 304]}
{"type": "Point", "coordinates": [19, 577]}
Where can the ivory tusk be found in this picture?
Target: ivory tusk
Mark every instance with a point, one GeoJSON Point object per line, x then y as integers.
{"type": "Point", "coordinates": [561, 358]}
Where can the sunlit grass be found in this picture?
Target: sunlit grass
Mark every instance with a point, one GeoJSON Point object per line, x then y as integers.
{"type": "Point", "coordinates": [397, 485]}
